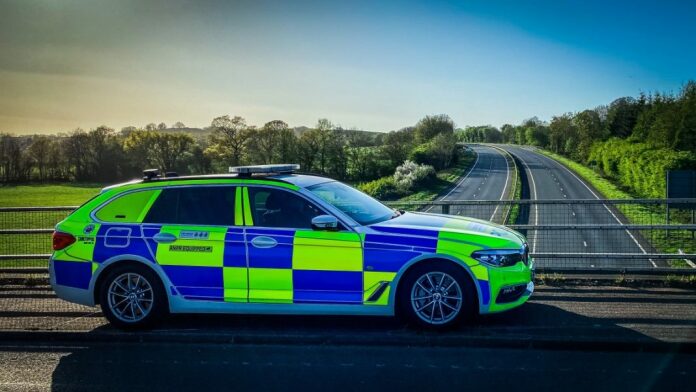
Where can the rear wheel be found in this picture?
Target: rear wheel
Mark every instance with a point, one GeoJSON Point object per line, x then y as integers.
{"type": "Point", "coordinates": [132, 297]}
{"type": "Point", "coordinates": [437, 295]}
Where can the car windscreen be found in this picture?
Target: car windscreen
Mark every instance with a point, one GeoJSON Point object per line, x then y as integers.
{"type": "Point", "coordinates": [359, 206]}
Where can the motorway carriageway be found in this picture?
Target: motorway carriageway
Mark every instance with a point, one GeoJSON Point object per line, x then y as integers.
{"type": "Point", "coordinates": [488, 179]}
{"type": "Point", "coordinates": [547, 180]}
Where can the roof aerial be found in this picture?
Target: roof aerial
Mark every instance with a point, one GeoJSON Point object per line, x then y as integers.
{"type": "Point", "coordinates": [266, 169]}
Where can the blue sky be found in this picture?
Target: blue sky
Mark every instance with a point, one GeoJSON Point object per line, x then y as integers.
{"type": "Point", "coordinates": [376, 66]}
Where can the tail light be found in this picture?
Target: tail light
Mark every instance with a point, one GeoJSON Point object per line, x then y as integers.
{"type": "Point", "coordinates": [62, 240]}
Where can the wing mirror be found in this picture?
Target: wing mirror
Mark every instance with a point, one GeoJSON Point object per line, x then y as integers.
{"type": "Point", "coordinates": [325, 222]}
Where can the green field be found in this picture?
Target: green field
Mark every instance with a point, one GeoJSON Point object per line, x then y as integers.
{"type": "Point", "coordinates": [47, 195]}
{"type": "Point", "coordinates": [40, 195]}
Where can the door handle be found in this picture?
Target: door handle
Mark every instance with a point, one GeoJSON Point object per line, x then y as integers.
{"type": "Point", "coordinates": [263, 242]}
{"type": "Point", "coordinates": [164, 238]}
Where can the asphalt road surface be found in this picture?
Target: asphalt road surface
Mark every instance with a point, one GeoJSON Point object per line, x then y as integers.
{"type": "Point", "coordinates": [486, 180]}
{"type": "Point", "coordinates": [549, 180]}
{"type": "Point", "coordinates": [224, 367]}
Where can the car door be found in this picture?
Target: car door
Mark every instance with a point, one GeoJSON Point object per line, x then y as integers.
{"type": "Point", "coordinates": [198, 239]}
{"type": "Point", "coordinates": [289, 262]}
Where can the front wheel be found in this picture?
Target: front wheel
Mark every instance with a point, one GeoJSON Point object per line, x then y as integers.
{"type": "Point", "coordinates": [132, 297]}
{"type": "Point", "coordinates": [437, 295]}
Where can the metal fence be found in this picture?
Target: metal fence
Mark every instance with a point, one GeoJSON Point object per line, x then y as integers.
{"type": "Point", "coordinates": [655, 234]}
{"type": "Point", "coordinates": [591, 234]}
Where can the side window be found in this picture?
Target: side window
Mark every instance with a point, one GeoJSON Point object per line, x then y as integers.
{"type": "Point", "coordinates": [203, 205]}
{"type": "Point", "coordinates": [279, 208]}
{"type": "Point", "coordinates": [127, 208]}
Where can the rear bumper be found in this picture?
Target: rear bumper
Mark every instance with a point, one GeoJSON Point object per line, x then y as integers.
{"type": "Point", "coordinates": [68, 293]}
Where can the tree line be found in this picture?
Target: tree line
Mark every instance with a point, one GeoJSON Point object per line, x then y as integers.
{"type": "Point", "coordinates": [632, 141]}
{"type": "Point", "coordinates": [106, 155]}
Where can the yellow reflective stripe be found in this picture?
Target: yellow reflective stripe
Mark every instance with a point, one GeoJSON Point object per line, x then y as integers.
{"type": "Point", "coordinates": [270, 285]}
{"type": "Point", "coordinates": [149, 204]}
{"type": "Point", "coordinates": [329, 252]}
{"type": "Point", "coordinates": [371, 282]}
{"type": "Point", "coordinates": [248, 220]}
{"type": "Point", "coordinates": [193, 252]}
{"type": "Point", "coordinates": [235, 283]}
{"type": "Point", "coordinates": [238, 217]}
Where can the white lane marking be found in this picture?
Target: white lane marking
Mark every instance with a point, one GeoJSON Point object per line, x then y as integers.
{"type": "Point", "coordinates": [605, 206]}
{"type": "Point", "coordinates": [459, 183]}
{"type": "Point", "coordinates": [536, 207]}
{"type": "Point", "coordinates": [584, 243]}
{"type": "Point", "coordinates": [689, 262]}
{"type": "Point", "coordinates": [507, 176]}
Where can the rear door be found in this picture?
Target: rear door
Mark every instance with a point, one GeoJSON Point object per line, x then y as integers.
{"type": "Point", "coordinates": [289, 262]}
{"type": "Point", "coordinates": [198, 240]}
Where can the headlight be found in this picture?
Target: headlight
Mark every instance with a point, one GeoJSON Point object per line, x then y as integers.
{"type": "Point", "coordinates": [499, 257]}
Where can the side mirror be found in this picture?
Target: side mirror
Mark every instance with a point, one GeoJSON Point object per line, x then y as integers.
{"type": "Point", "coordinates": [325, 222]}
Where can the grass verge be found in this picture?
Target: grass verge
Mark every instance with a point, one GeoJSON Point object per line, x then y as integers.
{"type": "Point", "coordinates": [445, 180]}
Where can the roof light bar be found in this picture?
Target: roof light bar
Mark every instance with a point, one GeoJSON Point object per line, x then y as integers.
{"type": "Point", "coordinates": [248, 170]}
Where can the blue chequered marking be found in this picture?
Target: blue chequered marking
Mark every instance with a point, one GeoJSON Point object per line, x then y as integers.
{"type": "Point", "coordinates": [235, 249]}
{"type": "Point", "coordinates": [485, 291]}
{"type": "Point", "coordinates": [186, 276]}
{"type": "Point", "coordinates": [327, 286]}
{"type": "Point", "coordinates": [327, 280]}
{"type": "Point", "coordinates": [279, 256]}
{"type": "Point", "coordinates": [72, 274]}
{"type": "Point", "coordinates": [408, 231]}
{"type": "Point", "coordinates": [327, 297]}
{"type": "Point", "coordinates": [403, 240]}
{"type": "Point", "coordinates": [387, 260]}
{"type": "Point", "coordinates": [106, 248]}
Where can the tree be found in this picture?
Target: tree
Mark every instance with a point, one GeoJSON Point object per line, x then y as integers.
{"type": "Point", "coordinates": [151, 127]}
{"type": "Point", "coordinates": [308, 148]}
{"type": "Point", "coordinates": [178, 125]}
{"type": "Point", "coordinates": [561, 129]}
{"type": "Point", "coordinates": [397, 145]}
{"type": "Point", "coordinates": [264, 142]}
{"type": "Point", "coordinates": [622, 116]}
{"type": "Point", "coordinates": [165, 151]}
{"type": "Point", "coordinates": [430, 126]}
{"type": "Point", "coordinates": [162, 126]}
{"type": "Point", "coordinates": [228, 140]}
{"type": "Point", "coordinates": [589, 130]}
{"type": "Point", "coordinates": [39, 151]}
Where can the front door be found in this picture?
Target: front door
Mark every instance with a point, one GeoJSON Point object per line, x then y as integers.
{"type": "Point", "coordinates": [198, 242]}
{"type": "Point", "coordinates": [289, 262]}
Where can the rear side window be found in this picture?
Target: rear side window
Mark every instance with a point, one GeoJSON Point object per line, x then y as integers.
{"type": "Point", "coordinates": [212, 205]}
{"type": "Point", "coordinates": [127, 208]}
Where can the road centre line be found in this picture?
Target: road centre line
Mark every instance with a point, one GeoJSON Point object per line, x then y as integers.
{"type": "Point", "coordinates": [507, 177]}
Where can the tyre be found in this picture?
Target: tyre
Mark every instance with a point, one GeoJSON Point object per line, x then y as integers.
{"type": "Point", "coordinates": [437, 295]}
{"type": "Point", "coordinates": [132, 297]}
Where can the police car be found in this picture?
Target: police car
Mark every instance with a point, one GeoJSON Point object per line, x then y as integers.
{"type": "Point", "coordinates": [266, 240]}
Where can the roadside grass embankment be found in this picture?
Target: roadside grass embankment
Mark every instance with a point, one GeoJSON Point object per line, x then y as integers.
{"type": "Point", "coordinates": [672, 241]}
{"type": "Point", "coordinates": [443, 182]}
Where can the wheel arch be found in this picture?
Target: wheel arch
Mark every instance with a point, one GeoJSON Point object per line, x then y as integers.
{"type": "Point", "coordinates": [420, 260]}
{"type": "Point", "coordinates": [104, 268]}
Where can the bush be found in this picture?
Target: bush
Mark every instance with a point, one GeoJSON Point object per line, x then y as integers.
{"type": "Point", "coordinates": [410, 174]}
{"type": "Point", "coordinates": [638, 167]}
{"type": "Point", "coordinates": [383, 188]}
